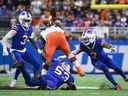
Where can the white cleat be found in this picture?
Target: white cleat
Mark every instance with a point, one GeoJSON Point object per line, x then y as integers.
{"type": "Point", "coordinates": [13, 83]}
{"type": "Point", "coordinates": [31, 87]}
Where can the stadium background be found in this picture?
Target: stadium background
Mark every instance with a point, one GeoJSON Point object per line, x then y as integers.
{"type": "Point", "coordinates": [74, 15]}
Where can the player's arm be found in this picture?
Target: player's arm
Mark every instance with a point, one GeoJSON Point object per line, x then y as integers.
{"type": "Point", "coordinates": [74, 52]}
{"type": "Point", "coordinates": [31, 39]}
{"type": "Point", "coordinates": [42, 37]}
{"type": "Point", "coordinates": [6, 39]}
{"type": "Point", "coordinates": [77, 51]}
{"type": "Point", "coordinates": [108, 45]}
{"type": "Point", "coordinates": [69, 35]}
{"type": "Point", "coordinates": [43, 40]}
{"type": "Point", "coordinates": [33, 43]}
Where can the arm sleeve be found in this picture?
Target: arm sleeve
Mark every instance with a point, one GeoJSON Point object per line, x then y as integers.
{"type": "Point", "coordinates": [103, 42]}
{"type": "Point", "coordinates": [81, 46]}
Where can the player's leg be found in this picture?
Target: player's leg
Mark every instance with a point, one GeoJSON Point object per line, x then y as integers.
{"type": "Point", "coordinates": [52, 81]}
{"type": "Point", "coordinates": [26, 76]}
{"type": "Point", "coordinates": [70, 83]}
{"type": "Point", "coordinates": [116, 68]}
{"type": "Point", "coordinates": [33, 59]}
{"type": "Point", "coordinates": [28, 79]}
{"type": "Point", "coordinates": [18, 64]}
{"type": "Point", "coordinates": [18, 71]}
{"type": "Point", "coordinates": [14, 77]}
{"type": "Point", "coordinates": [43, 82]}
{"type": "Point", "coordinates": [108, 75]}
{"type": "Point", "coordinates": [49, 50]}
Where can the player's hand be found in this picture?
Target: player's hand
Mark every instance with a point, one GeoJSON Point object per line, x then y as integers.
{"type": "Point", "coordinates": [5, 49]}
{"type": "Point", "coordinates": [5, 52]}
{"type": "Point", "coordinates": [74, 52]}
{"type": "Point", "coordinates": [113, 49]}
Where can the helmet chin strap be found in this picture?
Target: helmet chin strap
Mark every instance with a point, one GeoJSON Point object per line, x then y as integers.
{"type": "Point", "coordinates": [25, 26]}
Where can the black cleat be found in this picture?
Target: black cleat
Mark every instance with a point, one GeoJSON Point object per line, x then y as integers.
{"type": "Point", "coordinates": [126, 80]}
{"type": "Point", "coordinates": [71, 86]}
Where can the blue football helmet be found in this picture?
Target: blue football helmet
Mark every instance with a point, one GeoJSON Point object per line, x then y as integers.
{"type": "Point", "coordinates": [25, 19]}
{"type": "Point", "coordinates": [88, 38]}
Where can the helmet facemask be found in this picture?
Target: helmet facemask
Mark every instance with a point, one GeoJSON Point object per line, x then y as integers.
{"type": "Point", "coordinates": [88, 38]}
{"type": "Point", "coordinates": [26, 23]}
{"type": "Point", "coordinates": [25, 19]}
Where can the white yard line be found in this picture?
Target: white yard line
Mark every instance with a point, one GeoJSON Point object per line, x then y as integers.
{"type": "Point", "coordinates": [87, 87]}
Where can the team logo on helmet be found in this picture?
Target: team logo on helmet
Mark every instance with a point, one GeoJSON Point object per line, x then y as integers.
{"type": "Point", "coordinates": [25, 19]}
{"type": "Point", "coordinates": [88, 37]}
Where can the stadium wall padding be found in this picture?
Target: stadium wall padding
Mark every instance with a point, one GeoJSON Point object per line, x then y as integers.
{"type": "Point", "coordinates": [120, 56]}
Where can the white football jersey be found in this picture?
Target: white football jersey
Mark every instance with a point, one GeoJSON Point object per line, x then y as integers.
{"type": "Point", "coordinates": [49, 30]}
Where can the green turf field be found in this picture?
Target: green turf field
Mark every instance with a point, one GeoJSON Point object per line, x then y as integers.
{"type": "Point", "coordinates": [87, 86]}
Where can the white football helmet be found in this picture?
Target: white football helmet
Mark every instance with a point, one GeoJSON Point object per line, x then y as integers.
{"type": "Point", "coordinates": [25, 19]}
{"type": "Point", "coordinates": [88, 38]}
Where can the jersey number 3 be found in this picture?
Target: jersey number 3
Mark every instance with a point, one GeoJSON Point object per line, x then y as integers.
{"type": "Point", "coordinates": [24, 39]}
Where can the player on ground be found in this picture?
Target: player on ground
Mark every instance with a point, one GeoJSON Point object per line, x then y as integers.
{"type": "Point", "coordinates": [19, 36]}
{"type": "Point", "coordinates": [55, 39]}
{"type": "Point", "coordinates": [58, 74]}
{"type": "Point", "coordinates": [93, 46]}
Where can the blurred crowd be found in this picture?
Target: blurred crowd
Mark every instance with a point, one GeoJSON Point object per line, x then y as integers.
{"type": "Point", "coordinates": [71, 13]}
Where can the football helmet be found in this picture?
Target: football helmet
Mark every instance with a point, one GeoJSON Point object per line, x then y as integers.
{"type": "Point", "coordinates": [88, 38]}
{"type": "Point", "coordinates": [25, 19]}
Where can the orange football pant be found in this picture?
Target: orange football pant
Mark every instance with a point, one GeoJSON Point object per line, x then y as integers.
{"type": "Point", "coordinates": [54, 41]}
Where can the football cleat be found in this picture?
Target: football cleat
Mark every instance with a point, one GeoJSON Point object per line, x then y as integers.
{"type": "Point", "coordinates": [126, 80]}
{"type": "Point", "coordinates": [13, 83]}
{"type": "Point", "coordinates": [118, 87]}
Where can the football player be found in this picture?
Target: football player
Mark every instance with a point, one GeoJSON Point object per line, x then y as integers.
{"type": "Point", "coordinates": [16, 40]}
{"type": "Point", "coordinates": [57, 75]}
{"type": "Point", "coordinates": [55, 39]}
{"type": "Point", "coordinates": [93, 46]}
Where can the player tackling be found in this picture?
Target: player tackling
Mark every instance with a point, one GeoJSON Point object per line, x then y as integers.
{"type": "Point", "coordinates": [93, 46]}
{"type": "Point", "coordinates": [55, 39]}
